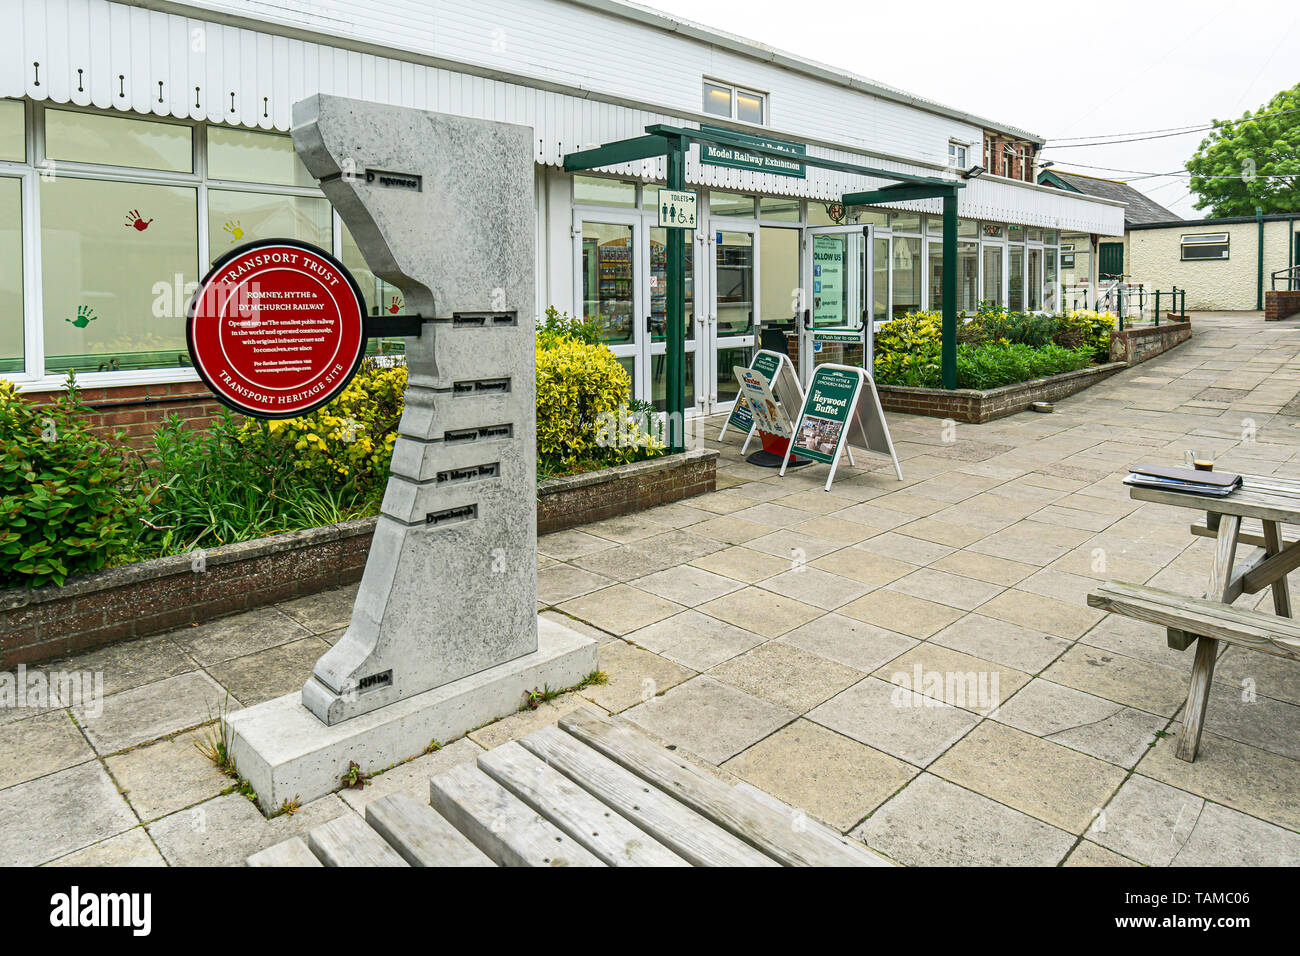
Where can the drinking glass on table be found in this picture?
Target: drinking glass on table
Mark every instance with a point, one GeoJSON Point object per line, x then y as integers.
{"type": "Point", "coordinates": [1199, 460]}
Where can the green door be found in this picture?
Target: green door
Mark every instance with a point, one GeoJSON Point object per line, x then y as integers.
{"type": "Point", "coordinates": [1110, 260]}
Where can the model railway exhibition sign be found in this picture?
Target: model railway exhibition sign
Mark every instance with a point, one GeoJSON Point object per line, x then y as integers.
{"type": "Point", "coordinates": [277, 328]}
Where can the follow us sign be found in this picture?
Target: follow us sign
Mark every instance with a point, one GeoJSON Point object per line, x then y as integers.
{"type": "Point", "coordinates": [678, 209]}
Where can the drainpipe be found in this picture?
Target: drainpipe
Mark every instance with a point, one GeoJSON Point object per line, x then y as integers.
{"type": "Point", "coordinates": [1259, 285]}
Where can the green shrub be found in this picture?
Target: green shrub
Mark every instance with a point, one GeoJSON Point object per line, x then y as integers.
{"type": "Point", "coordinates": [995, 364]}
{"type": "Point", "coordinates": [69, 500]}
{"type": "Point", "coordinates": [558, 326]}
{"type": "Point", "coordinates": [585, 414]}
{"type": "Point", "coordinates": [995, 347]}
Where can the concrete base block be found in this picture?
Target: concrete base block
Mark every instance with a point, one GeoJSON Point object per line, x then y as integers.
{"type": "Point", "coordinates": [285, 752]}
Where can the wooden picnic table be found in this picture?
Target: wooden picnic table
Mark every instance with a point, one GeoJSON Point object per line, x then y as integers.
{"type": "Point", "coordinates": [1274, 502]}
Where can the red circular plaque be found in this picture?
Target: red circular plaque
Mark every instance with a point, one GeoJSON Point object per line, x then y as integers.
{"type": "Point", "coordinates": [275, 329]}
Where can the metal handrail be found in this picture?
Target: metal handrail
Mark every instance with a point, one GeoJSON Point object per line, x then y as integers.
{"type": "Point", "coordinates": [1292, 278]}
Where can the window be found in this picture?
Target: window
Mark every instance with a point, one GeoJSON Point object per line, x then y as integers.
{"type": "Point", "coordinates": [107, 292]}
{"type": "Point", "coordinates": [907, 275]}
{"type": "Point", "coordinates": [118, 141]}
{"type": "Point", "coordinates": [733, 102]}
{"type": "Point", "coordinates": [595, 191]}
{"type": "Point", "coordinates": [731, 204]}
{"type": "Point", "coordinates": [1016, 278]}
{"type": "Point", "coordinates": [905, 221]}
{"type": "Point", "coordinates": [131, 210]}
{"type": "Point", "coordinates": [967, 275]}
{"type": "Point", "coordinates": [957, 154]}
{"type": "Point", "coordinates": [1210, 245]}
{"type": "Point", "coordinates": [607, 272]}
{"type": "Point", "coordinates": [13, 145]}
{"type": "Point", "coordinates": [235, 218]}
{"type": "Point", "coordinates": [992, 275]}
{"type": "Point", "coordinates": [780, 208]}
{"type": "Point", "coordinates": [11, 275]}
{"type": "Point", "coordinates": [245, 156]}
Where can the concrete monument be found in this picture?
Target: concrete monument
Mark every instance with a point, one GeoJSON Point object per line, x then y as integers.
{"type": "Point", "coordinates": [445, 626]}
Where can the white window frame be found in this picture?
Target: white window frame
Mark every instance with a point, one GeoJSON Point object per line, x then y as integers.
{"type": "Point", "coordinates": [735, 91]}
{"type": "Point", "coordinates": [1205, 239]}
{"type": "Point", "coordinates": [35, 377]}
{"type": "Point", "coordinates": [956, 146]}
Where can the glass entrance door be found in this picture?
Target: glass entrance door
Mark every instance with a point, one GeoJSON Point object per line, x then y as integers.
{"type": "Point", "coordinates": [730, 326]}
{"type": "Point", "coordinates": [621, 284]}
{"type": "Point", "coordinates": [655, 267]}
{"type": "Point", "coordinates": [607, 286]}
{"type": "Point", "coordinates": [837, 292]}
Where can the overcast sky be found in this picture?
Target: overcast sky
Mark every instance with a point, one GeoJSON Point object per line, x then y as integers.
{"type": "Point", "coordinates": [1056, 69]}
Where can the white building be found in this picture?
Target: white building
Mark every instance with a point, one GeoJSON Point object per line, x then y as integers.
{"type": "Point", "coordinates": [138, 142]}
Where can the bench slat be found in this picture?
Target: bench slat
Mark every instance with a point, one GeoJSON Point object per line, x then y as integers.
{"type": "Point", "coordinates": [347, 841]}
{"type": "Point", "coordinates": [679, 828]}
{"type": "Point", "coordinates": [597, 827]}
{"type": "Point", "coordinates": [501, 825]}
{"type": "Point", "coordinates": [419, 835]}
{"type": "Point", "coordinates": [809, 844]}
{"type": "Point", "coordinates": [1245, 627]}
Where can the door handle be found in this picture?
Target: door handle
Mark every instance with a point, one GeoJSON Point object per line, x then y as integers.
{"type": "Point", "coordinates": [807, 318]}
{"type": "Point", "coordinates": [648, 329]}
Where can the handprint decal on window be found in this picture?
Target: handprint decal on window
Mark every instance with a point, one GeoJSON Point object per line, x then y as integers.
{"type": "Point", "coordinates": [396, 305]}
{"type": "Point", "coordinates": [137, 222]}
{"type": "Point", "coordinates": [235, 229]}
{"type": "Point", "coordinates": [85, 315]}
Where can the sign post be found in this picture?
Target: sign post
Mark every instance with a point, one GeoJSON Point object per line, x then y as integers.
{"type": "Point", "coordinates": [834, 412]}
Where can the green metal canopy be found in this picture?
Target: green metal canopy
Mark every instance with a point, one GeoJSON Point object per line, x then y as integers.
{"type": "Point", "coordinates": [675, 141]}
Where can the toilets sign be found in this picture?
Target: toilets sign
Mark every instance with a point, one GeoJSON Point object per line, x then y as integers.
{"type": "Point", "coordinates": [276, 329]}
{"type": "Point", "coordinates": [678, 209]}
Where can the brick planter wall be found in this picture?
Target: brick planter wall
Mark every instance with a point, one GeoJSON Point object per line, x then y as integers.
{"type": "Point", "coordinates": [1280, 305]}
{"type": "Point", "coordinates": [1135, 345]}
{"type": "Point", "coordinates": [139, 409]}
{"type": "Point", "coordinates": [983, 405]}
{"type": "Point", "coordinates": [150, 597]}
{"type": "Point", "coordinates": [566, 502]}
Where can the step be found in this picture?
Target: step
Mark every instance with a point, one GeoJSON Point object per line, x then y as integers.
{"type": "Point", "coordinates": [593, 791]}
{"type": "Point", "coordinates": [294, 852]}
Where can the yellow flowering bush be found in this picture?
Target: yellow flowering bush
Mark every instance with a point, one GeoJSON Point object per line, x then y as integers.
{"type": "Point", "coordinates": [350, 440]}
{"type": "Point", "coordinates": [1093, 329]}
{"type": "Point", "coordinates": [907, 349]}
{"type": "Point", "coordinates": [583, 394]}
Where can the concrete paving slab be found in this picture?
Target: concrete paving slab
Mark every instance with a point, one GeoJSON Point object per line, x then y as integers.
{"type": "Point", "coordinates": [709, 718]}
{"type": "Point", "coordinates": [90, 810]}
{"type": "Point", "coordinates": [835, 779]}
{"type": "Point", "coordinates": [935, 823]}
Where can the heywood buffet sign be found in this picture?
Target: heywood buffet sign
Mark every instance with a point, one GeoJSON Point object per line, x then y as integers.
{"type": "Point", "coordinates": [277, 328]}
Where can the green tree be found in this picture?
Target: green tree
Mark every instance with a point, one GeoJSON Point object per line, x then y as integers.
{"type": "Point", "coordinates": [1252, 161]}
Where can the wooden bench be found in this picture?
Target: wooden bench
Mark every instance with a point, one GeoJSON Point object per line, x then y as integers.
{"type": "Point", "coordinates": [1204, 622]}
{"type": "Point", "coordinates": [592, 791]}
